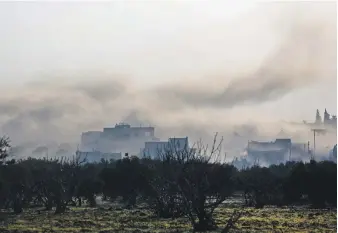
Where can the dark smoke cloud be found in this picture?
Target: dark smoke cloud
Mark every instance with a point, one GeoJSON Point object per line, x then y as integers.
{"type": "Point", "coordinates": [306, 56]}
{"type": "Point", "coordinates": [104, 91]}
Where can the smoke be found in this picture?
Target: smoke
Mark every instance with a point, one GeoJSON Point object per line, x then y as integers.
{"type": "Point", "coordinates": [306, 56]}
{"type": "Point", "coordinates": [55, 109]}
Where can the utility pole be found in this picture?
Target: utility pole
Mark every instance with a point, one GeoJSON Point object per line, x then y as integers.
{"type": "Point", "coordinates": [308, 150]}
{"type": "Point", "coordinates": [314, 143]}
{"type": "Point", "coordinates": [314, 139]}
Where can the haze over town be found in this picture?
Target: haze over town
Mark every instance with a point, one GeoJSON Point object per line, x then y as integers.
{"type": "Point", "coordinates": [188, 68]}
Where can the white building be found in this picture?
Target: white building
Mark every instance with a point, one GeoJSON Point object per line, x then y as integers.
{"type": "Point", "coordinates": [90, 140]}
{"type": "Point", "coordinates": [121, 138]}
{"type": "Point", "coordinates": [155, 149]}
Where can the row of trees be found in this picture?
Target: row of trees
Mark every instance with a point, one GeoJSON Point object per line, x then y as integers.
{"type": "Point", "coordinates": [180, 183]}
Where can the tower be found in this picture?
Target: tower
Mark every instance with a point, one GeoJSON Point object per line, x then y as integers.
{"type": "Point", "coordinates": [326, 117]}
{"type": "Point", "coordinates": [318, 118]}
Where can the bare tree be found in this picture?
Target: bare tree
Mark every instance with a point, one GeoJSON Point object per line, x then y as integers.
{"type": "Point", "coordinates": [4, 148]}
{"type": "Point", "coordinates": [66, 182]}
{"type": "Point", "coordinates": [201, 183]}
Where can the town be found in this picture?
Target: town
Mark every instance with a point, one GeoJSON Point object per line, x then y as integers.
{"type": "Point", "coordinates": [123, 139]}
{"type": "Point", "coordinates": [168, 116]}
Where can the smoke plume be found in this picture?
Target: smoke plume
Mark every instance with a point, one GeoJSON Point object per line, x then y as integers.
{"type": "Point", "coordinates": [56, 109]}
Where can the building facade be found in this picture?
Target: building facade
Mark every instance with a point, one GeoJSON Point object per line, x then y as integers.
{"type": "Point", "coordinates": [120, 138]}
{"type": "Point", "coordinates": [157, 149]}
{"type": "Point", "coordinates": [279, 151]}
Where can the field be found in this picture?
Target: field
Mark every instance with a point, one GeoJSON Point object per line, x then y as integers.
{"type": "Point", "coordinates": [104, 220]}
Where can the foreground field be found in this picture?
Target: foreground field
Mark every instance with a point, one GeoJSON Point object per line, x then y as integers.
{"type": "Point", "coordinates": [106, 220]}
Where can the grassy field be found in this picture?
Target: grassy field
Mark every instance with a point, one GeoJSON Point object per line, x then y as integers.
{"type": "Point", "coordinates": [141, 220]}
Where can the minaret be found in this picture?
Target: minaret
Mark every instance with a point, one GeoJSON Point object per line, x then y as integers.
{"type": "Point", "coordinates": [326, 117]}
{"type": "Point", "coordinates": [318, 118]}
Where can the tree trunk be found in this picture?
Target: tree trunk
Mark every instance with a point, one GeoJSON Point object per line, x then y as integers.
{"type": "Point", "coordinates": [49, 204]}
{"type": "Point", "coordinates": [60, 207]}
{"type": "Point", "coordinates": [17, 206]}
{"type": "Point", "coordinates": [92, 201]}
{"type": "Point", "coordinates": [205, 223]}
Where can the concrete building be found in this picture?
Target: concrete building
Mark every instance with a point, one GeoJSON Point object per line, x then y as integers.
{"type": "Point", "coordinates": [123, 138]}
{"type": "Point", "coordinates": [279, 151]}
{"type": "Point", "coordinates": [333, 154]}
{"type": "Point", "coordinates": [155, 149]}
{"type": "Point", "coordinates": [120, 138]}
{"type": "Point", "coordinates": [179, 144]}
{"type": "Point", "coordinates": [90, 140]}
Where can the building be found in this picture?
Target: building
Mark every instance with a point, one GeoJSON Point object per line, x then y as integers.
{"type": "Point", "coordinates": [279, 151]}
{"type": "Point", "coordinates": [329, 121]}
{"type": "Point", "coordinates": [333, 154]}
{"type": "Point", "coordinates": [268, 151]}
{"type": "Point", "coordinates": [155, 149]}
{"type": "Point", "coordinates": [120, 138]}
{"type": "Point", "coordinates": [97, 156]}
{"type": "Point", "coordinates": [90, 140]}
{"type": "Point", "coordinates": [180, 144]}
{"type": "Point", "coordinates": [124, 131]}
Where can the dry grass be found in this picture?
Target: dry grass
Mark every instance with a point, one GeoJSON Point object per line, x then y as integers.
{"type": "Point", "coordinates": [141, 220]}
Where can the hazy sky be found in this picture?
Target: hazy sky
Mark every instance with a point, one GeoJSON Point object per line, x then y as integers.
{"type": "Point", "coordinates": [236, 60]}
{"type": "Point", "coordinates": [148, 40]}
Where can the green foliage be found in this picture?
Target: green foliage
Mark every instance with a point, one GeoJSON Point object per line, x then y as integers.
{"type": "Point", "coordinates": [290, 184]}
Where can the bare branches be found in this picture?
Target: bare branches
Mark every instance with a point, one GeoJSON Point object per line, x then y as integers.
{"type": "Point", "coordinates": [199, 180]}
{"type": "Point", "coordinates": [4, 148]}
